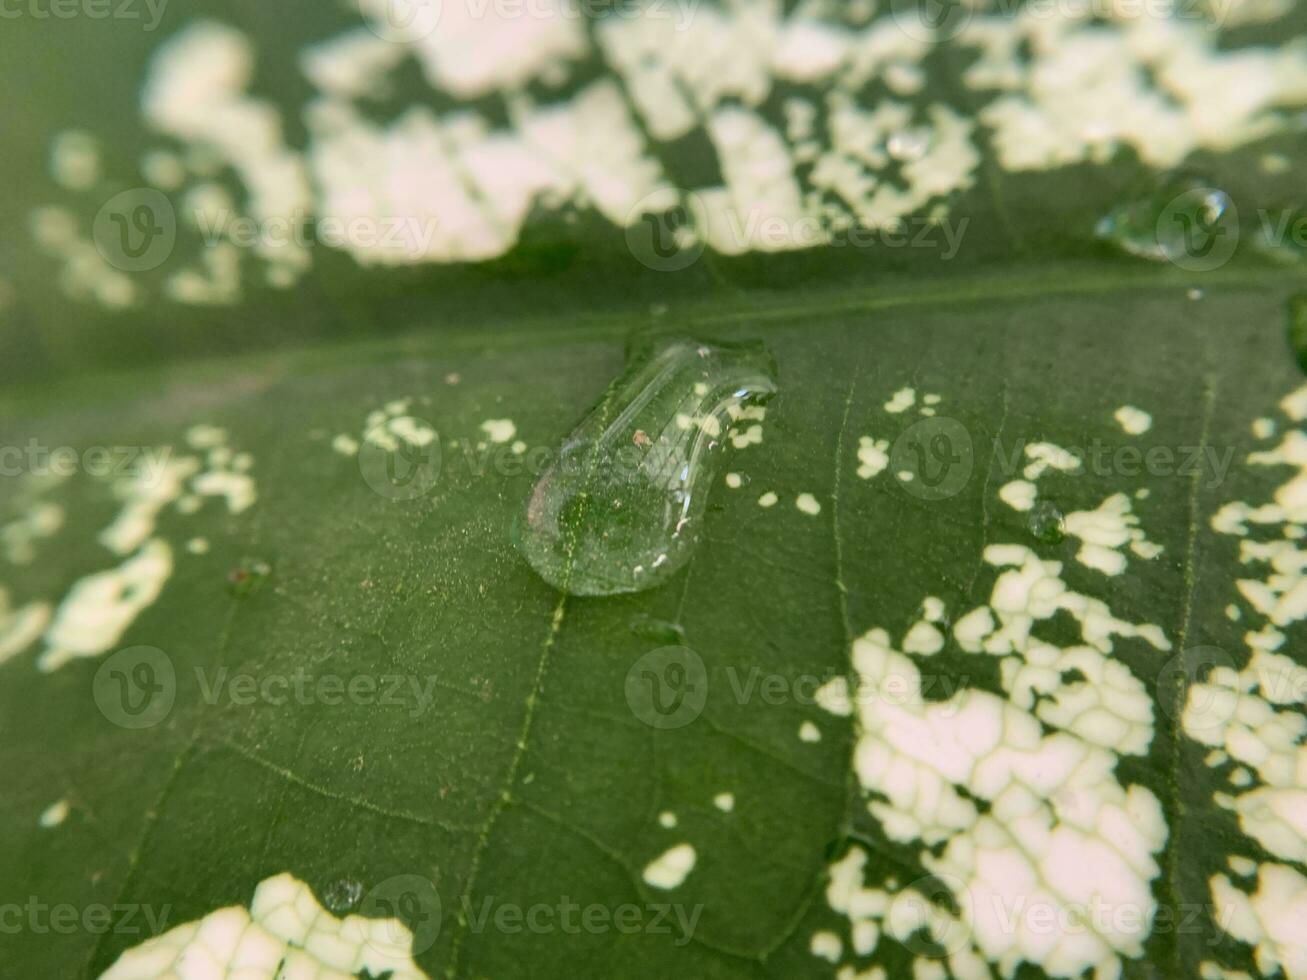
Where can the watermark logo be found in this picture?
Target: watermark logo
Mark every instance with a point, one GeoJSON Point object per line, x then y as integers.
{"type": "Point", "coordinates": [667, 239]}
{"type": "Point", "coordinates": [97, 919]}
{"type": "Point", "coordinates": [149, 12]}
{"type": "Point", "coordinates": [405, 237]}
{"type": "Point", "coordinates": [670, 238]}
{"type": "Point", "coordinates": [931, 20]}
{"type": "Point", "coordinates": [933, 459]}
{"type": "Point", "coordinates": [400, 458]}
{"type": "Point", "coordinates": [921, 911]}
{"type": "Point", "coordinates": [667, 687]}
{"type": "Point", "coordinates": [410, 904]}
{"type": "Point", "coordinates": [892, 688]}
{"type": "Point", "coordinates": [1198, 229]}
{"type": "Point", "coordinates": [136, 687]}
{"type": "Point", "coordinates": [572, 918]}
{"type": "Point", "coordinates": [142, 463]}
{"type": "Point", "coordinates": [409, 692]}
{"type": "Point", "coordinates": [136, 230]}
{"type": "Point", "coordinates": [1202, 686]}
{"type": "Point", "coordinates": [401, 21]}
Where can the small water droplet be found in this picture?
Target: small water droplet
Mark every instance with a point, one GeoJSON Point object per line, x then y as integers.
{"type": "Point", "coordinates": [341, 896]}
{"type": "Point", "coordinates": [1047, 522]}
{"type": "Point", "coordinates": [247, 576]}
{"type": "Point", "coordinates": [649, 444]}
{"type": "Point", "coordinates": [659, 631]}
{"type": "Point", "coordinates": [1296, 328]}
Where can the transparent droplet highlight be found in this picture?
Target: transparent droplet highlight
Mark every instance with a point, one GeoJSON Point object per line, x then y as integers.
{"type": "Point", "coordinates": [1180, 219]}
{"type": "Point", "coordinates": [620, 508]}
{"type": "Point", "coordinates": [661, 631]}
{"type": "Point", "coordinates": [1047, 522]}
{"type": "Point", "coordinates": [341, 896]}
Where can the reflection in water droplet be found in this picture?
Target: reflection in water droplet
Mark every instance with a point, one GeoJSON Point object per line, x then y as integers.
{"type": "Point", "coordinates": [659, 631]}
{"type": "Point", "coordinates": [1296, 328]}
{"type": "Point", "coordinates": [1047, 522]}
{"type": "Point", "coordinates": [1181, 219]}
{"type": "Point", "coordinates": [619, 509]}
{"type": "Point", "coordinates": [341, 896]}
{"type": "Point", "coordinates": [248, 576]}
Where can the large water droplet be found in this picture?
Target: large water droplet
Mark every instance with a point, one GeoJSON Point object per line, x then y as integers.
{"type": "Point", "coordinates": [1296, 328]}
{"type": "Point", "coordinates": [1181, 219]}
{"type": "Point", "coordinates": [620, 508]}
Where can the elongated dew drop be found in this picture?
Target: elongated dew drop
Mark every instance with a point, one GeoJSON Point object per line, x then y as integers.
{"type": "Point", "coordinates": [658, 630]}
{"type": "Point", "coordinates": [1180, 219]}
{"type": "Point", "coordinates": [621, 507]}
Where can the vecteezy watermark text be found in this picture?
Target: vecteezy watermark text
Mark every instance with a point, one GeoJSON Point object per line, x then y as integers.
{"type": "Point", "coordinates": [573, 918]}
{"type": "Point", "coordinates": [407, 21]}
{"type": "Point", "coordinates": [304, 688]}
{"type": "Point", "coordinates": [37, 459]}
{"type": "Point", "coordinates": [65, 919]}
{"type": "Point", "coordinates": [670, 236]}
{"type": "Point", "coordinates": [137, 687]}
{"type": "Point", "coordinates": [408, 237]}
{"type": "Point", "coordinates": [1099, 458]}
{"type": "Point", "coordinates": [668, 688]}
{"type": "Point", "coordinates": [149, 11]}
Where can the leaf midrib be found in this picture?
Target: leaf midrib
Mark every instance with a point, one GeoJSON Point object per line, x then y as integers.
{"type": "Point", "coordinates": [721, 313]}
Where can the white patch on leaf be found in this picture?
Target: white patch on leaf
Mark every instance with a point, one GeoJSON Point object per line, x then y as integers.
{"type": "Point", "coordinates": [873, 456]}
{"type": "Point", "coordinates": [1046, 455]}
{"type": "Point", "coordinates": [901, 401]}
{"type": "Point", "coordinates": [499, 430]}
{"type": "Point", "coordinates": [1018, 494]}
{"type": "Point", "coordinates": [20, 628]}
{"type": "Point", "coordinates": [18, 538]}
{"type": "Point", "coordinates": [53, 815]}
{"type": "Point", "coordinates": [1105, 532]}
{"type": "Point", "coordinates": [1057, 832]}
{"type": "Point", "coordinates": [1254, 715]}
{"type": "Point", "coordinates": [98, 609]}
{"type": "Point", "coordinates": [285, 933]}
{"type": "Point", "coordinates": [1135, 421]}
{"type": "Point", "coordinates": [670, 868]}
